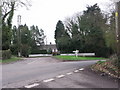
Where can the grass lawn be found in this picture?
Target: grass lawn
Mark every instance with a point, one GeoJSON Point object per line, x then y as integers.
{"type": "Point", "coordinates": [13, 59]}
{"type": "Point", "coordinates": [78, 58]}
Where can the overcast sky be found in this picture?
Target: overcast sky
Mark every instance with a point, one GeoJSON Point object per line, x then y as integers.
{"type": "Point", "coordinates": [46, 13]}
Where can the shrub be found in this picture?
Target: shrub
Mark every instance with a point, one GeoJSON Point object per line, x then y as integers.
{"type": "Point", "coordinates": [14, 49]}
{"type": "Point", "coordinates": [6, 54]}
{"type": "Point", "coordinates": [49, 51]}
{"type": "Point", "coordinates": [25, 50]}
{"type": "Point", "coordinates": [114, 59]}
{"type": "Point", "coordinates": [55, 53]}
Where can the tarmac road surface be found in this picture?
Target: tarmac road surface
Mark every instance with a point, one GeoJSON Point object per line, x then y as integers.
{"type": "Point", "coordinates": [47, 72]}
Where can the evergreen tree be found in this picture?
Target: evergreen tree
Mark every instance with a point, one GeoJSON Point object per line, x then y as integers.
{"type": "Point", "coordinates": [92, 23]}
{"type": "Point", "coordinates": [62, 38]}
{"type": "Point", "coordinates": [37, 38]}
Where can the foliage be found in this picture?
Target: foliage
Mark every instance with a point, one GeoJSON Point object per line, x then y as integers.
{"type": "Point", "coordinates": [55, 53]}
{"type": "Point", "coordinates": [100, 62]}
{"type": "Point", "coordinates": [29, 39]}
{"type": "Point", "coordinates": [25, 50]}
{"type": "Point", "coordinates": [6, 54]}
{"type": "Point", "coordinates": [92, 23]}
{"type": "Point", "coordinates": [115, 61]}
{"type": "Point", "coordinates": [110, 35]}
{"type": "Point", "coordinates": [8, 8]}
{"type": "Point", "coordinates": [6, 30]}
{"type": "Point", "coordinates": [62, 38]}
{"type": "Point", "coordinates": [14, 49]}
{"type": "Point", "coordinates": [85, 33]}
{"type": "Point", "coordinates": [34, 51]}
{"type": "Point", "coordinates": [37, 37]}
{"type": "Point", "coordinates": [107, 67]}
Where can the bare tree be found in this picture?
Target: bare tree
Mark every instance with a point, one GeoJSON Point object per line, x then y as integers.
{"type": "Point", "coordinates": [8, 7]}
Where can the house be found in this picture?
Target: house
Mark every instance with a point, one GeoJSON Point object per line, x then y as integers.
{"type": "Point", "coordinates": [49, 47]}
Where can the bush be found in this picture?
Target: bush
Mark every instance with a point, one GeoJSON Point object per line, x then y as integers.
{"type": "Point", "coordinates": [49, 51]}
{"type": "Point", "coordinates": [103, 52]}
{"type": "Point", "coordinates": [114, 59]}
{"type": "Point", "coordinates": [55, 53]}
{"type": "Point", "coordinates": [6, 54]}
{"type": "Point", "coordinates": [25, 50]}
{"type": "Point", "coordinates": [14, 49]}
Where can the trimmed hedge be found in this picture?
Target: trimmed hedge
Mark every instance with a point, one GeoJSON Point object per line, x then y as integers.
{"type": "Point", "coordinates": [37, 51]}
{"type": "Point", "coordinates": [6, 54]}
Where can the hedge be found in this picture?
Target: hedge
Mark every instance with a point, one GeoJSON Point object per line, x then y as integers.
{"type": "Point", "coordinates": [37, 51]}
{"type": "Point", "coordinates": [6, 54]}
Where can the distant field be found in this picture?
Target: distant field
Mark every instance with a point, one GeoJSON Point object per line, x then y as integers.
{"type": "Point", "coordinates": [79, 58]}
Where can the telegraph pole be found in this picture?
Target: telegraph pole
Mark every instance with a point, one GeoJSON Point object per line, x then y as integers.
{"type": "Point", "coordinates": [19, 35]}
{"type": "Point", "coordinates": [117, 14]}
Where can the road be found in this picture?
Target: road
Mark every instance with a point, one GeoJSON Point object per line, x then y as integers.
{"type": "Point", "coordinates": [51, 73]}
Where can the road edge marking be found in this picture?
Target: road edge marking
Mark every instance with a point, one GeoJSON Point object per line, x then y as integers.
{"type": "Point", "coordinates": [32, 85]}
{"type": "Point", "coordinates": [60, 76]}
{"type": "Point", "coordinates": [81, 69]}
{"type": "Point", "coordinates": [76, 71]}
{"type": "Point", "coordinates": [48, 80]}
{"type": "Point", "coordinates": [70, 73]}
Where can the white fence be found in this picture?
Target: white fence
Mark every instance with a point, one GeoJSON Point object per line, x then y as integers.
{"type": "Point", "coordinates": [48, 55]}
{"type": "Point", "coordinates": [40, 55]}
{"type": "Point", "coordinates": [79, 54]}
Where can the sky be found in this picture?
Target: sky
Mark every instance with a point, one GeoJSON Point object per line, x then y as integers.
{"type": "Point", "coordinates": [46, 13]}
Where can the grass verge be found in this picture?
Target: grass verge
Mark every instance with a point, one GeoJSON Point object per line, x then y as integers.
{"type": "Point", "coordinates": [73, 58]}
{"type": "Point", "coordinates": [12, 59]}
{"type": "Point", "coordinates": [107, 67]}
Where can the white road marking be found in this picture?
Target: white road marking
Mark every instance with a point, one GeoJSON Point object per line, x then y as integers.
{"type": "Point", "coordinates": [33, 85]}
{"type": "Point", "coordinates": [48, 80]}
{"type": "Point", "coordinates": [69, 73]}
{"type": "Point", "coordinates": [81, 69]}
{"type": "Point", "coordinates": [76, 71]}
{"type": "Point", "coordinates": [60, 76]}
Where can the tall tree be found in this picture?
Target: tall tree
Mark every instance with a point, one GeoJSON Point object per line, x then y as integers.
{"type": "Point", "coordinates": [8, 8]}
{"type": "Point", "coordinates": [14, 35]}
{"type": "Point", "coordinates": [93, 21]}
{"type": "Point", "coordinates": [25, 40]}
{"type": "Point", "coordinates": [38, 37]}
{"type": "Point", "coordinates": [87, 31]}
{"type": "Point", "coordinates": [62, 38]}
